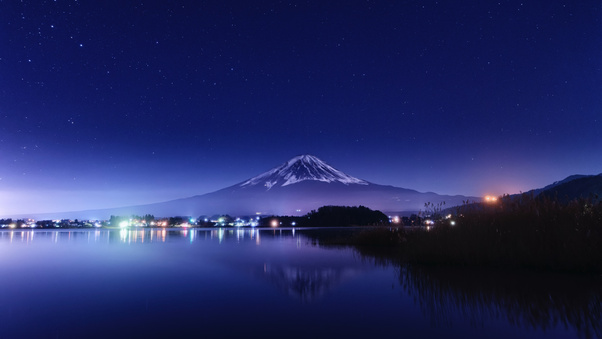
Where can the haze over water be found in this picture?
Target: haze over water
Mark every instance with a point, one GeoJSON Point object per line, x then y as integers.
{"type": "Point", "coordinates": [267, 283]}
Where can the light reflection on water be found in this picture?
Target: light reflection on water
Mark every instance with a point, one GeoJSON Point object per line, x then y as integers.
{"type": "Point", "coordinates": [133, 236]}
{"type": "Point", "coordinates": [75, 282]}
{"type": "Point", "coordinates": [130, 236]}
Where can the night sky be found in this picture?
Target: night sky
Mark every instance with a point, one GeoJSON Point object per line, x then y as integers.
{"type": "Point", "coordinates": [111, 103]}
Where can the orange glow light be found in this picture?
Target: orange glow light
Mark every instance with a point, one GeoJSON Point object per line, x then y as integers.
{"type": "Point", "coordinates": [490, 198]}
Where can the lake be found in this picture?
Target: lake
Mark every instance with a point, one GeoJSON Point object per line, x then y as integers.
{"type": "Point", "coordinates": [267, 283]}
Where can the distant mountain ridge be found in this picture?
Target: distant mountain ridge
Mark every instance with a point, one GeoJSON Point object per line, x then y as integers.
{"type": "Point", "coordinates": [301, 184]}
{"type": "Point", "coordinates": [570, 178]}
{"type": "Point", "coordinates": [574, 187]}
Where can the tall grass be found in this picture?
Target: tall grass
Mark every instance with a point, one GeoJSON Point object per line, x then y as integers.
{"type": "Point", "coordinates": [516, 232]}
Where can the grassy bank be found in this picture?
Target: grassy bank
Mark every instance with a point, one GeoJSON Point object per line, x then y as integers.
{"type": "Point", "coordinates": [525, 232]}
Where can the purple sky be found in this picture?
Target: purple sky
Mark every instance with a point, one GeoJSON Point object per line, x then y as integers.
{"type": "Point", "coordinates": [122, 103]}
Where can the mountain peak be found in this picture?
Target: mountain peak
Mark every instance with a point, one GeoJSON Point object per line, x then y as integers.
{"type": "Point", "coordinates": [305, 158]}
{"type": "Point", "coordinates": [302, 168]}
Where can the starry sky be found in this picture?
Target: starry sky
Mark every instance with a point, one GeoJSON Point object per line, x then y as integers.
{"type": "Point", "coordinates": [112, 103]}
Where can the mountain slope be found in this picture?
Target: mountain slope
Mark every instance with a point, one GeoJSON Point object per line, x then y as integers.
{"type": "Point", "coordinates": [578, 187]}
{"type": "Point", "coordinates": [557, 183]}
{"type": "Point", "coordinates": [296, 187]}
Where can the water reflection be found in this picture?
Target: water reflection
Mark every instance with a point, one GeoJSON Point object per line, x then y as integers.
{"type": "Point", "coordinates": [306, 284]}
{"type": "Point", "coordinates": [128, 236]}
{"type": "Point", "coordinates": [528, 300]}
{"type": "Point", "coordinates": [225, 269]}
{"type": "Point", "coordinates": [295, 277]}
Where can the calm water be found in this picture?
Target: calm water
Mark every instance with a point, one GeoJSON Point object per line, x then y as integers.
{"type": "Point", "coordinates": [266, 284]}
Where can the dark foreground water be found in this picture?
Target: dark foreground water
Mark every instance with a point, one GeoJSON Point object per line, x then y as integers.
{"type": "Point", "coordinates": [266, 284]}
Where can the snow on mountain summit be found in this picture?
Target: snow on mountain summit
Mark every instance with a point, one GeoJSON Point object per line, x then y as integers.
{"type": "Point", "coordinates": [302, 168]}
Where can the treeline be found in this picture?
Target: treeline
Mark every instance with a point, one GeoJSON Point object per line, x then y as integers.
{"type": "Point", "coordinates": [326, 216]}
{"type": "Point", "coordinates": [21, 223]}
{"type": "Point", "coordinates": [331, 216]}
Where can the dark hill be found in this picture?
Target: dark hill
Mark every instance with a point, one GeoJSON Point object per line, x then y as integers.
{"type": "Point", "coordinates": [583, 187]}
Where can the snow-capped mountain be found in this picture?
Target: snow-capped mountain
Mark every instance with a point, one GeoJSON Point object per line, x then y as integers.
{"type": "Point", "coordinates": [302, 184]}
{"type": "Point", "coordinates": [301, 168]}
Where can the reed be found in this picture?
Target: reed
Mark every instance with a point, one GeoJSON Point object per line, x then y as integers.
{"type": "Point", "coordinates": [514, 232]}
